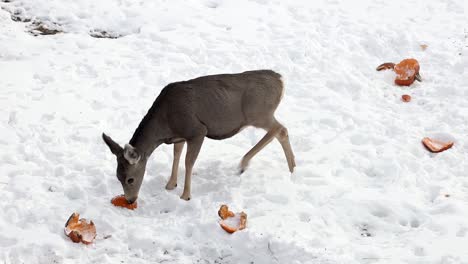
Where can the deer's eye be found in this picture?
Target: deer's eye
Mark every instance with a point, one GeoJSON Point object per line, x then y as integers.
{"type": "Point", "coordinates": [130, 181]}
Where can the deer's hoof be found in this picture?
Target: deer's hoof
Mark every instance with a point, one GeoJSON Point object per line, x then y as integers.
{"type": "Point", "coordinates": [170, 186]}
{"type": "Point", "coordinates": [243, 166]}
{"type": "Point", "coordinates": [185, 197]}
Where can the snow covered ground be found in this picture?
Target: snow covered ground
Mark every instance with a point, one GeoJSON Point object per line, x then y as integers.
{"type": "Point", "coordinates": [365, 190]}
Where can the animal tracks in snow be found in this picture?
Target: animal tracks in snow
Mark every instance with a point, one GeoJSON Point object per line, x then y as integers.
{"type": "Point", "coordinates": [364, 191]}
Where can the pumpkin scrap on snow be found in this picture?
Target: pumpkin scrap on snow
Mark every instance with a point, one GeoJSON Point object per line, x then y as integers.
{"type": "Point", "coordinates": [231, 222]}
{"type": "Point", "coordinates": [406, 98]}
{"type": "Point", "coordinates": [406, 71]}
{"type": "Point", "coordinates": [224, 212]}
{"type": "Point", "coordinates": [79, 230]}
{"type": "Point", "coordinates": [122, 202]}
{"type": "Point", "coordinates": [436, 146]}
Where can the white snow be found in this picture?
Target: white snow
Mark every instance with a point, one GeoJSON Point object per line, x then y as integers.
{"type": "Point", "coordinates": [365, 190]}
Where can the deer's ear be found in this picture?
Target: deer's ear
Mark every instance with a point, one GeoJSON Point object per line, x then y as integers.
{"type": "Point", "coordinates": [131, 154]}
{"type": "Point", "coordinates": [113, 146]}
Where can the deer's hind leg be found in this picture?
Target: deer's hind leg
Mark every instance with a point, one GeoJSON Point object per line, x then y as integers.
{"type": "Point", "coordinates": [273, 129]}
{"type": "Point", "coordinates": [283, 138]}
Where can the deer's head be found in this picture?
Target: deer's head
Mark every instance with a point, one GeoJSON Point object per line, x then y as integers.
{"type": "Point", "coordinates": [130, 167]}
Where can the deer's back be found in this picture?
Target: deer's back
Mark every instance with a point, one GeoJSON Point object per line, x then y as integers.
{"type": "Point", "coordinates": [222, 103]}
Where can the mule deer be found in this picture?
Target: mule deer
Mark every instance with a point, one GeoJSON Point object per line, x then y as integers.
{"type": "Point", "coordinates": [215, 106]}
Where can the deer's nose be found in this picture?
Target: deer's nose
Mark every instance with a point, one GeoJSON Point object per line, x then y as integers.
{"type": "Point", "coordinates": [130, 197]}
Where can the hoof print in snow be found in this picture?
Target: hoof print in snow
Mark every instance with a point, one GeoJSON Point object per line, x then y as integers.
{"type": "Point", "coordinates": [366, 234]}
{"type": "Point", "coordinates": [365, 231]}
{"type": "Point", "coordinates": [18, 16]}
{"type": "Point", "coordinates": [104, 34]}
{"type": "Point", "coordinates": [212, 4]}
{"type": "Point", "coordinates": [41, 28]}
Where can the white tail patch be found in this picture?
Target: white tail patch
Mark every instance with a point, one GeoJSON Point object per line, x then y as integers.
{"type": "Point", "coordinates": [282, 88]}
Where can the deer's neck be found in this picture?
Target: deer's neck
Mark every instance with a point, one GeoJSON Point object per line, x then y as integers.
{"type": "Point", "coordinates": [150, 133]}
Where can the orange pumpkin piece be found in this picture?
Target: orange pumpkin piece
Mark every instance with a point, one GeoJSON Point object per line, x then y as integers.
{"type": "Point", "coordinates": [227, 228]}
{"type": "Point", "coordinates": [386, 66]}
{"type": "Point", "coordinates": [243, 221]}
{"type": "Point", "coordinates": [79, 230]}
{"type": "Point", "coordinates": [122, 202]}
{"type": "Point", "coordinates": [224, 212]}
{"type": "Point", "coordinates": [407, 71]}
{"type": "Point", "coordinates": [235, 223]}
{"type": "Point", "coordinates": [436, 146]}
{"type": "Point", "coordinates": [231, 222]}
{"type": "Point", "coordinates": [406, 98]}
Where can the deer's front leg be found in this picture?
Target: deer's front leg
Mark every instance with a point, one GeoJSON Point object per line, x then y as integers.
{"type": "Point", "coordinates": [193, 148]}
{"type": "Point", "coordinates": [172, 183]}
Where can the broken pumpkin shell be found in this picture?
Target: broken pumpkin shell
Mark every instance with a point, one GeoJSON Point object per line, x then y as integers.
{"type": "Point", "coordinates": [406, 71]}
{"type": "Point", "coordinates": [386, 66]}
{"type": "Point", "coordinates": [79, 230]}
{"type": "Point", "coordinates": [436, 146]}
{"type": "Point", "coordinates": [242, 224]}
{"type": "Point", "coordinates": [227, 228]}
{"type": "Point", "coordinates": [224, 212]}
{"type": "Point", "coordinates": [122, 202]}
{"type": "Point", "coordinates": [243, 221]}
